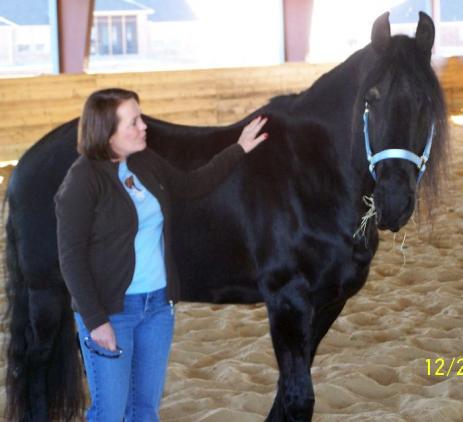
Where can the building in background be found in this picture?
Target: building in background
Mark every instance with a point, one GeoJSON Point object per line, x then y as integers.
{"type": "Point", "coordinates": [141, 35]}
{"type": "Point", "coordinates": [341, 27]}
{"type": "Point", "coordinates": [451, 28]}
{"type": "Point", "coordinates": [25, 37]}
{"type": "Point", "coordinates": [185, 34]}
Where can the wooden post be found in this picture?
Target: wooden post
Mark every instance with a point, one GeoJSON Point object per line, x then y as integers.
{"type": "Point", "coordinates": [435, 7]}
{"type": "Point", "coordinates": [75, 18]}
{"type": "Point", "coordinates": [297, 21]}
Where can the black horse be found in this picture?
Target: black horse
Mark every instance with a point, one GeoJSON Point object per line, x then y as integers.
{"type": "Point", "coordinates": [280, 229]}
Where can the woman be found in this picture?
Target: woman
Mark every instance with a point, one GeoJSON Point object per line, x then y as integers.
{"type": "Point", "coordinates": [113, 213]}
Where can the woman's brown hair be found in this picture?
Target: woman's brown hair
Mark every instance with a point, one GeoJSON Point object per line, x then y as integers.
{"type": "Point", "coordinates": [99, 122]}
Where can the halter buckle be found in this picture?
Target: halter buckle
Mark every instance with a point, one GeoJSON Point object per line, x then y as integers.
{"type": "Point", "coordinates": [424, 160]}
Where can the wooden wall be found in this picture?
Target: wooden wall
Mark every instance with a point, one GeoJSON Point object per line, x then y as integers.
{"type": "Point", "coordinates": [451, 79]}
{"type": "Point", "coordinates": [31, 107]}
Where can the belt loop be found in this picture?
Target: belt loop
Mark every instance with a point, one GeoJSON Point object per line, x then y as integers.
{"type": "Point", "coordinates": [147, 301]}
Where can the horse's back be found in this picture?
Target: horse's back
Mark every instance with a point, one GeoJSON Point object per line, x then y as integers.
{"type": "Point", "coordinates": [46, 162]}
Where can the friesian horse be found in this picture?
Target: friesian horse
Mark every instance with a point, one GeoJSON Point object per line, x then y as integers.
{"type": "Point", "coordinates": [279, 230]}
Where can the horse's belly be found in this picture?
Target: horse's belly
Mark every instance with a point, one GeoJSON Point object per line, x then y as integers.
{"type": "Point", "coordinates": [213, 259]}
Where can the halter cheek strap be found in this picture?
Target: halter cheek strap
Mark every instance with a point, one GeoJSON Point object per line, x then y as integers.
{"type": "Point", "coordinates": [403, 154]}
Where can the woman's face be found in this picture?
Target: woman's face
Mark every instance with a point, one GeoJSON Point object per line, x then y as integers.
{"type": "Point", "coordinates": [130, 135]}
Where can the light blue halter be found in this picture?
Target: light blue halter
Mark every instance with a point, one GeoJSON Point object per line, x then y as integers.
{"type": "Point", "coordinates": [403, 154]}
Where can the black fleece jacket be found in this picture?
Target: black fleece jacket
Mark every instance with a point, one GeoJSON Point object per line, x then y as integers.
{"type": "Point", "coordinates": [97, 224]}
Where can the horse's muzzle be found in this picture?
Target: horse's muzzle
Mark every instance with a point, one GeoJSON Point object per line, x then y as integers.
{"type": "Point", "coordinates": [393, 211]}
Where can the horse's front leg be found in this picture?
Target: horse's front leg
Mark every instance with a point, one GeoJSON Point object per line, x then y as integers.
{"type": "Point", "coordinates": [290, 316]}
{"type": "Point", "coordinates": [323, 320]}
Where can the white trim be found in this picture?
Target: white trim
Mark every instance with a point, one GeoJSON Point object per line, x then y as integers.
{"type": "Point", "coordinates": [54, 35]}
{"type": "Point", "coordinates": [141, 6]}
{"type": "Point", "coordinates": [8, 22]}
{"type": "Point", "coordinates": [122, 12]}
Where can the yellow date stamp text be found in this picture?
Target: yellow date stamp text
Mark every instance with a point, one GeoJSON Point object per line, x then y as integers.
{"type": "Point", "coordinates": [444, 367]}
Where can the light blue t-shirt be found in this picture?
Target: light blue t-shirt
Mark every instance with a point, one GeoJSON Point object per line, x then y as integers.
{"type": "Point", "coordinates": [150, 271]}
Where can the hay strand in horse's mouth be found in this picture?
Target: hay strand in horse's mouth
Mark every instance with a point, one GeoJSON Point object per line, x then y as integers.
{"type": "Point", "coordinates": [371, 212]}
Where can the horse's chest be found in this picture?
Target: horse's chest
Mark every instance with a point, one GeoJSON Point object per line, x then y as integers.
{"type": "Point", "coordinates": [357, 269]}
{"type": "Point", "coordinates": [345, 275]}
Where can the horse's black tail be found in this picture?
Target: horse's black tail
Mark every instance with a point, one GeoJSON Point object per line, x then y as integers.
{"type": "Point", "coordinates": [17, 323]}
{"type": "Point", "coordinates": [65, 398]}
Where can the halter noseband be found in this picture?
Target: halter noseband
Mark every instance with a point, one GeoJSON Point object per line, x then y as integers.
{"type": "Point", "coordinates": [403, 154]}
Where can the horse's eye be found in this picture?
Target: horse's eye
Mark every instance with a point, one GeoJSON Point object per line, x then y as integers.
{"type": "Point", "coordinates": [373, 95]}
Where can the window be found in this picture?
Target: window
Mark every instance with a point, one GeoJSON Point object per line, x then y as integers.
{"type": "Point", "coordinates": [450, 28]}
{"type": "Point", "coordinates": [102, 39]}
{"type": "Point", "coordinates": [339, 27]}
{"type": "Point", "coordinates": [26, 37]}
{"type": "Point", "coordinates": [114, 35]}
{"type": "Point", "coordinates": [131, 37]}
{"type": "Point", "coordinates": [23, 47]}
{"type": "Point", "coordinates": [179, 34]}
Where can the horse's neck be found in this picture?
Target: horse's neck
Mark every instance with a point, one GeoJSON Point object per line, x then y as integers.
{"type": "Point", "coordinates": [333, 101]}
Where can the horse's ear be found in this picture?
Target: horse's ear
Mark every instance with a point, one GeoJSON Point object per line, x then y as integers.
{"type": "Point", "coordinates": [425, 33]}
{"type": "Point", "coordinates": [381, 33]}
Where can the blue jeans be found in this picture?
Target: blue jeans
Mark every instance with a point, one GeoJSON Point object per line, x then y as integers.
{"type": "Point", "coordinates": [129, 387]}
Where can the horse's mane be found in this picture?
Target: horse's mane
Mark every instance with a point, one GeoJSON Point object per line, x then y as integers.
{"type": "Point", "coordinates": [436, 176]}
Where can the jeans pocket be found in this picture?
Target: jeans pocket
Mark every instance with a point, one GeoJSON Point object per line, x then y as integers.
{"type": "Point", "coordinates": [94, 347]}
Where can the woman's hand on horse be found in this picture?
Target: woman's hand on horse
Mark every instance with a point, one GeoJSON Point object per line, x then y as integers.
{"type": "Point", "coordinates": [104, 336]}
{"type": "Point", "coordinates": [248, 138]}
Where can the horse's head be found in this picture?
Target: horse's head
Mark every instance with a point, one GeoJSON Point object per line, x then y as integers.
{"type": "Point", "coordinates": [404, 119]}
